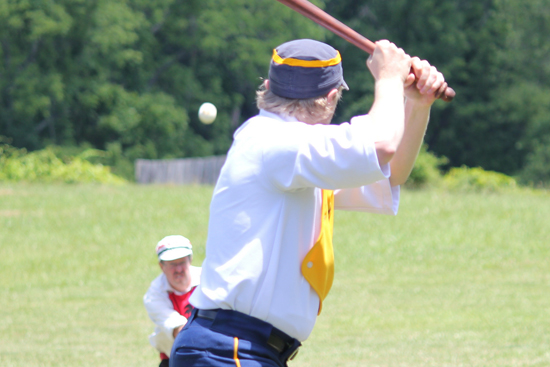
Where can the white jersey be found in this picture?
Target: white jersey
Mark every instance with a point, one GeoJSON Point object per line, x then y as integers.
{"type": "Point", "coordinates": [161, 310]}
{"type": "Point", "coordinates": [265, 213]}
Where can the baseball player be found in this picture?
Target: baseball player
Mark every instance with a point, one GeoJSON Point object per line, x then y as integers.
{"type": "Point", "coordinates": [269, 259]}
{"type": "Point", "coordinates": [167, 299]}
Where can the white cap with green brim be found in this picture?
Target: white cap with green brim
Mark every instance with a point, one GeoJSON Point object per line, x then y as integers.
{"type": "Point", "coordinates": [173, 247]}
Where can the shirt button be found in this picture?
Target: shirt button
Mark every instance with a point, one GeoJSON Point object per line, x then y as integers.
{"type": "Point", "coordinates": [310, 264]}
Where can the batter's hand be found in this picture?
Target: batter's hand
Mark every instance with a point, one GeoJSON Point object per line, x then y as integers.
{"type": "Point", "coordinates": [389, 62]}
{"type": "Point", "coordinates": [424, 83]}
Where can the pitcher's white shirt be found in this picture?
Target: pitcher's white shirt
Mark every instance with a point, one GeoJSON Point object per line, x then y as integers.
{"type": "Point", "coordinates": [161, 310]}
{"type": "Point", "coordinates": [266, 208]}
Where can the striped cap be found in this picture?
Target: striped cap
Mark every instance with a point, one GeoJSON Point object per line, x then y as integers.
{"type": "Point", "coordinates": [305, 68]}
{"type": "Point", "coordinates": [173, 247]}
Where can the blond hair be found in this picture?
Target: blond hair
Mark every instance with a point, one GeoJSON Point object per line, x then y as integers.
{"type": "Point", "coordinates": [308, 109]}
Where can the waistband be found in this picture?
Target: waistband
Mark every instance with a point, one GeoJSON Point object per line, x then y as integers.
{"type": "Point", "coordinates": [234, 323]}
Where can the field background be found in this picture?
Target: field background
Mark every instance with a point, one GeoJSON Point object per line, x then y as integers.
{"type": "Point", "coordinates": [456, 279]}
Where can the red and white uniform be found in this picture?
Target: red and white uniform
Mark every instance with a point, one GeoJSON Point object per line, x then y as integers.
{"type": "Point", "coordinates": [168, 309]}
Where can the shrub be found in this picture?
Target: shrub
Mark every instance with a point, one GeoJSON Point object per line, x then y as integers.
{"type": "Point", "coordinates": [113, 157]}
{"type": "Point", "coordinates": [426, 170]}
{"type": "Point", "coordinates": [477, 179]}
{"type": "Point", "coordinates": [45, 166]}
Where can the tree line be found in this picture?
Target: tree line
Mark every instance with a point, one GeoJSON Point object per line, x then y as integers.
{"type": "Point", "coordinates": [128, 76]}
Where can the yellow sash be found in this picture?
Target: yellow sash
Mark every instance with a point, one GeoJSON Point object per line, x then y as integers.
{"type": "Point", "coordinates": [318, 265]}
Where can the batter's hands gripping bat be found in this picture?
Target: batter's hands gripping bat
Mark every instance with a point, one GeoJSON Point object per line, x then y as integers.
{"type": "Point", "coordinates": [320, 17]}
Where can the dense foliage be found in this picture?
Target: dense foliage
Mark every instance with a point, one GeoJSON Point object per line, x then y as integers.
{"type": "Point", "coordinates": [128, 76]}
{"type": "Point", "coordinates": [45, 165]}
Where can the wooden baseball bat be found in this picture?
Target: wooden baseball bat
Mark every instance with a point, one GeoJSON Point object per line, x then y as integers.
{"type": "Point", "coordinates": [324, 19]}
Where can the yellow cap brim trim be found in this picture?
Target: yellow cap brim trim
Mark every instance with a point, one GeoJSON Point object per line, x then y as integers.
{"type": "Point", "coordinates": [307, 63]}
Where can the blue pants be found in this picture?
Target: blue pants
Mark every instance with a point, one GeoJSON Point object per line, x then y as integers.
{"type": "Point", "coordinates": [230, 339]}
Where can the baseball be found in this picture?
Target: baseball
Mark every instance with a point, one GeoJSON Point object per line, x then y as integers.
{"type": "Point", "coordinates": [207, 113]}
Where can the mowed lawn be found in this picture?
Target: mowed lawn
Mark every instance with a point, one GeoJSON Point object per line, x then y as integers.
{"type": "Point", "coordinates": [454, 280]}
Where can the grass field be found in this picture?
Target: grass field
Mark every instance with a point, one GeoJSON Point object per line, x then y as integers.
{"type": "Point", "coordinates": [453, 280]}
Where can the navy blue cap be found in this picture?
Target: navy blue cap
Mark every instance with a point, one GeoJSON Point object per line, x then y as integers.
{"type": "Point", "coordinates": [305, 68]}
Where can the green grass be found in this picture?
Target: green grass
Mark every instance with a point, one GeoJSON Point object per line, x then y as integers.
{"type": "Point", "coordinates": [453, 280]}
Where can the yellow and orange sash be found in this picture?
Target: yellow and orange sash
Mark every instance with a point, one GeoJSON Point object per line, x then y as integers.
{"type": "Point", "coordinates": [318, 265]}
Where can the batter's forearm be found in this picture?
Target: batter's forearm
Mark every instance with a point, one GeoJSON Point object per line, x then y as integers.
{"type": "Point", "coordinates": [416, 122]}
{"type": "Point", "coordinates": [388, 116]}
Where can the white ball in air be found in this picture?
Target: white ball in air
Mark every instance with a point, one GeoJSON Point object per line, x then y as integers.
{"type": "Point", "coordinates": [207, 113]}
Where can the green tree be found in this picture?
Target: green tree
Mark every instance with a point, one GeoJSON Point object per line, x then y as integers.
{"type": "Point", "coordinates": [31, 88]}
{"type": "Point", "coordinates": [493, 53]}
{"type": "Point", "coordinates": [525, 98]}
{"type": "Point", "coordinates": [130, 75]}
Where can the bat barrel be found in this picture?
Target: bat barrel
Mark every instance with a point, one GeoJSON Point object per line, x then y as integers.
{"type": "Point", "coordinates": [320, 17]}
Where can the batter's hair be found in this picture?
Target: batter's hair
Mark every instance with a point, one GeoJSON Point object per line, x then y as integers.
{"type": "Point", "coordinates": [309, 109]}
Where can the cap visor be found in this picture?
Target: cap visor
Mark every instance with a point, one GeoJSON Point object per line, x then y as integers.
{"type": "Point", "coordinates": [345, 85]}
{"type": "Point", "coordinates": [174, 254]}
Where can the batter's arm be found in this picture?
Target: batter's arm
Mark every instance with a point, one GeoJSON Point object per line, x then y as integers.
{"type": "Point", "coordinates": [389, 66]}
{"type": "Point", "coordinates": [420, 95]}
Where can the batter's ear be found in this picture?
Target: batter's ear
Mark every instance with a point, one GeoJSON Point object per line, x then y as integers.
{"type": "Point", "coordinates": [266, 83]}
{"type": "Point", "coordinates": [332, 96]}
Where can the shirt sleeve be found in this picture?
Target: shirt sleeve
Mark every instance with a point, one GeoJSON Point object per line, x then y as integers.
{"type": "Point", "coordinates": [161, 311]}
{"type": "Point", "coordinates": [379, 197]}
{"type": "Point", "coordinates": [324, 156]}
{"type": "Point", "coordinates": [196, 272]}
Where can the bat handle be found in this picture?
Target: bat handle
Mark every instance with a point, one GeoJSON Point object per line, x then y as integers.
{"type": "Point", "coordinates": [445, 93]}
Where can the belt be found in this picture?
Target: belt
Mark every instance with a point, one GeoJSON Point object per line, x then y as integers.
{"type": "Point", "coordinates": [275, 340]}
